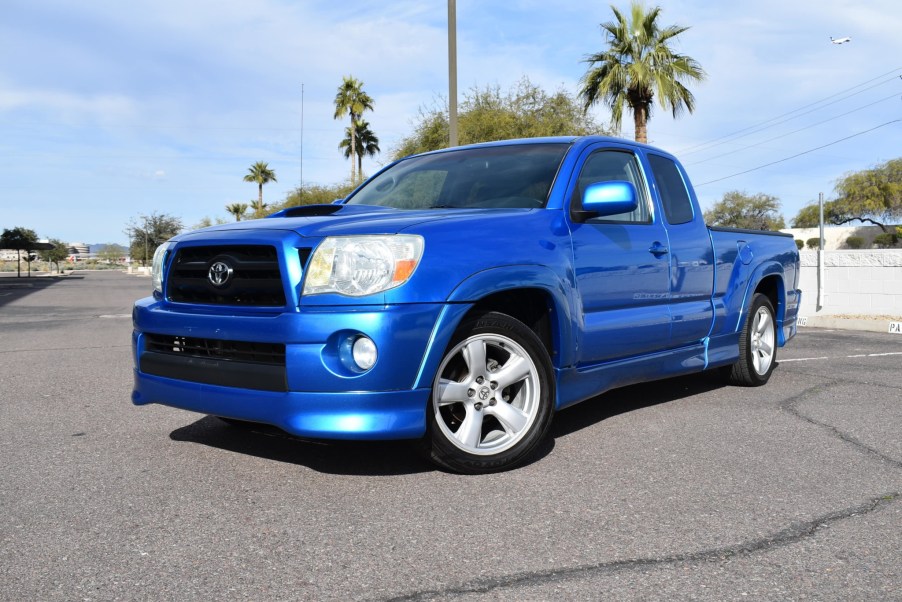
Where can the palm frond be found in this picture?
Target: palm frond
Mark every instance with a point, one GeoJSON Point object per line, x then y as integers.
{"type": "Point", "coordinates": [639, 65]}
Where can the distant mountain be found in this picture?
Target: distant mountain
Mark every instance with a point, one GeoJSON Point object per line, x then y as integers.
{"type": "Point", "coordinates": [98, 247]}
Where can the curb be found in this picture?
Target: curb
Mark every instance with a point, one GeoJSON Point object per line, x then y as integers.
{"type": "Point", "coordinates": [844, 323]}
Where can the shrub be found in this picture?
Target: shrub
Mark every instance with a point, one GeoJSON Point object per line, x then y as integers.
{"type": "Point", "coordinates": [799, 244]}
{"type": "Point", "coordinates": [886, 240]}
{"type": "Point", "coordinates": [854, 242]}
{"type": "Point", "coordinates": [813, 243]}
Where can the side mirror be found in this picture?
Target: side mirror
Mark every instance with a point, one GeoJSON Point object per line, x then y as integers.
{"type": "Point", "coordinates": [607, 198]}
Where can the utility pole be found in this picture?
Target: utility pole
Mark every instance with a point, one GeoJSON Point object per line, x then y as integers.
{"type": "Point", "coordinates": [452, 72]}
{"type": "Point", "coordinates": [820, 254]}
{"type": "Point", "coordinates": [301, 188]}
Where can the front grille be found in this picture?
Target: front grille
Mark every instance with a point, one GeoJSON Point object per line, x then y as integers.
{"type": "Point", "coordinates": [243, 364]}
{"type": "Point", "coordinates": [272, 354]}
{"type": "Point", "coordinates": [254, 280]}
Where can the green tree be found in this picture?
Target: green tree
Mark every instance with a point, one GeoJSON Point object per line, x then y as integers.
{"type": "Point", "coordinates": [487, 114]}
{"type": "Point", "coordinates": [871, 195]}
{"type": "Point", "coordinates": [261, 174]}
{"type": "Point", "coordinates": [363, 140]}
{"type": "Point", "coordinates": [147, 232]}
{"type": "Point", "coordinates": [637, 65]}
{"type": "Point", "coordinates": [207, 221]}
{"type": "Point", "coordinates": [740, 210]}
{"type": "Point", "coordinates": [56, 254]}
{"type": "Point", "coordinates": [19, 239]}
{"type": "Point", "coordinates": [311, 194]}
{"type": "Point", "coordinates": [887, 240]}
{"type": "Point", "coordinates": [352, 101]}
{"type": "Point", "coordinates": [112, 253]}
{"type": "Point", "coordinates": [237, 209]}
{"type": "Point", "coordinates": [808, 216]}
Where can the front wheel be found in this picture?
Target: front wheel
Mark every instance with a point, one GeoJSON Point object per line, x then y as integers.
{"type": "Point", "coordinates": [492, 398]}
{"type": "Point", "coordinates": [757, 345]}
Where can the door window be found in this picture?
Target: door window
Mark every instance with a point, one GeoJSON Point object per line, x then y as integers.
{"type": "Point", "coordinates": [606, 166]}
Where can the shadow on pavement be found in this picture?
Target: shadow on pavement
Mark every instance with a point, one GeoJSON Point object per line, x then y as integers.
{"type": "Point", "coordinates": [385, 458]}
{"type": "Point", "coordinates": [370, 458]}
{"type": "Point", "coordinates": [632, 398]}
{"type": "Point", "coordinates": [13, 288]}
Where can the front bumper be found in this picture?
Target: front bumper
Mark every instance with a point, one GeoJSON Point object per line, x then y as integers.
{"type": "Point", "coordinates": [321, 396]}
{"type": "Point", "coordinates": [348, 415]}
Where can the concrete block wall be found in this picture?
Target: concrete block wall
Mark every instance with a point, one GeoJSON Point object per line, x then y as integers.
{"type": "Point", "coordinates": [859, 283]}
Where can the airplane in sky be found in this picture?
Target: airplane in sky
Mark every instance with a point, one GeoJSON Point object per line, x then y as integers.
{"type": "Point", "coordinates": [840, 40]}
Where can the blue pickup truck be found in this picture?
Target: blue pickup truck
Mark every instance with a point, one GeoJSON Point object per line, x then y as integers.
{"type": "Point", "coordinates": [461, 298]}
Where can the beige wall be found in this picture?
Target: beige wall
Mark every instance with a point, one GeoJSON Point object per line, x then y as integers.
{"type": "Point", "coordinates": [867, 283]}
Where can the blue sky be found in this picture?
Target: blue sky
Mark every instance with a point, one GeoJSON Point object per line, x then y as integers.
{"type": "Point", "coordinates": [109, 109]}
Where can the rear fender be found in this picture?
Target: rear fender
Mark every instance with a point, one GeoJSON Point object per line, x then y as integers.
{"type": "Point", "coordinates": [770, 270]}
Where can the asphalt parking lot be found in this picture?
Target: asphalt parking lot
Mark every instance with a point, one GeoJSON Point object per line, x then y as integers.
{"type": "Point", "coordinates": [683, 489]}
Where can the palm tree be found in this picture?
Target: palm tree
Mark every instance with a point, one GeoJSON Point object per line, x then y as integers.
{"type": "Point", "coordinates": [352, 101]}
{"type": "Point", "coordinates": [237, 209]}
{"type": "Point", "coordinates": [637, 65]}
{"type": "Point", "coordinates": [362, 140]}
{"type": "Point", "coordinates": [260, 173]}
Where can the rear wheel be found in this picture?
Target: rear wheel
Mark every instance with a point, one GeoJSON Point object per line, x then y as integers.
{"type": "Point", "coordinates": [492, 398]}
{"type": "Point", "coordinates": [757, 345]}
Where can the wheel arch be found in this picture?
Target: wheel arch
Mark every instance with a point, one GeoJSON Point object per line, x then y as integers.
{"type": "Point", "coordinates": [767, 280]}
{"type": "Point", "coordinates": [533, 295]}
{"type": "Point", "coordinates": [532, 306]}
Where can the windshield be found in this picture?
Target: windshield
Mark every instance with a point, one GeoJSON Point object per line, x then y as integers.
{"type": "Point", "coordinates": [517, 175]}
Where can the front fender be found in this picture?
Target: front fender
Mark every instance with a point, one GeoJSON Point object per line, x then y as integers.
{"type": "Point", "coordinates": [496, 280]}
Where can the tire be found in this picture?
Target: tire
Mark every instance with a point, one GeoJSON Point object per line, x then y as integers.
{"type": "Point", "coordinates": [757, 345]}
{"type": "Point", "coordinates": [492, 397]}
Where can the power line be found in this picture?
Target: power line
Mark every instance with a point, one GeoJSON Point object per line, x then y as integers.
{"type": "Point", "coordinates": [756, 129]}
{"type": "Point", "coordinates": [719, 140]}
{"type": "Point", "coordinates": [811, 150]}
{"type": "Point", "coordinates": [807, 127]}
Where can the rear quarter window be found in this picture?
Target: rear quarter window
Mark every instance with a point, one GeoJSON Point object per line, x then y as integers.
{"type": "Point", "coordinates": [672, 190]}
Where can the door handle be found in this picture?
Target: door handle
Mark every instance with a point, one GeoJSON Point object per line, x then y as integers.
{"type": "Point", "coordinates": [657, 249]}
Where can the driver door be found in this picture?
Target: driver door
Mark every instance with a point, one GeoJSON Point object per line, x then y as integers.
{"type": "Point", "coordinates": [622, 266]}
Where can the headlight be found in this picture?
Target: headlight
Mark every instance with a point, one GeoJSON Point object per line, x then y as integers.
{"type": "Point", "coordinates": [159, 257]}
{"type": "Point", "coordinates": [362, 265]}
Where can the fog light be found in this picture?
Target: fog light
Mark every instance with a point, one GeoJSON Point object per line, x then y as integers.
{"type": "Point", "coordinates": [364, 353]}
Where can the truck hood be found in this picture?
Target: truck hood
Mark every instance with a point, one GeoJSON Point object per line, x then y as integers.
{"type": "Point", "coordinates": [318, 221]}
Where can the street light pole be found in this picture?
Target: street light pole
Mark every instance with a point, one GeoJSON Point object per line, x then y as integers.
{"type": "Point", "coordinates": [452, 72]}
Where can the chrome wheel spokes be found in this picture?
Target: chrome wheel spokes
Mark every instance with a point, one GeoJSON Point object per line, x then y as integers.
{"type": "Point", "coordinates": [486, 396]}
{"type": "Point", "coordinates": [763, 343]}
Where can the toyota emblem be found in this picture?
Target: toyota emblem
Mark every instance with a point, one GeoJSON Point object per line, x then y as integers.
{"type": "Point", "coordinates": [220, 273]}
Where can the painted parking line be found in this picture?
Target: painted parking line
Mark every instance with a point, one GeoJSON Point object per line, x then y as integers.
{"type": "Point", "coordinates": [814, 359]}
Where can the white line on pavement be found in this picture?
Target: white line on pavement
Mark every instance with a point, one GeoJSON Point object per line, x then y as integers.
{"type": "Point", "coordinates": [812, 359]}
